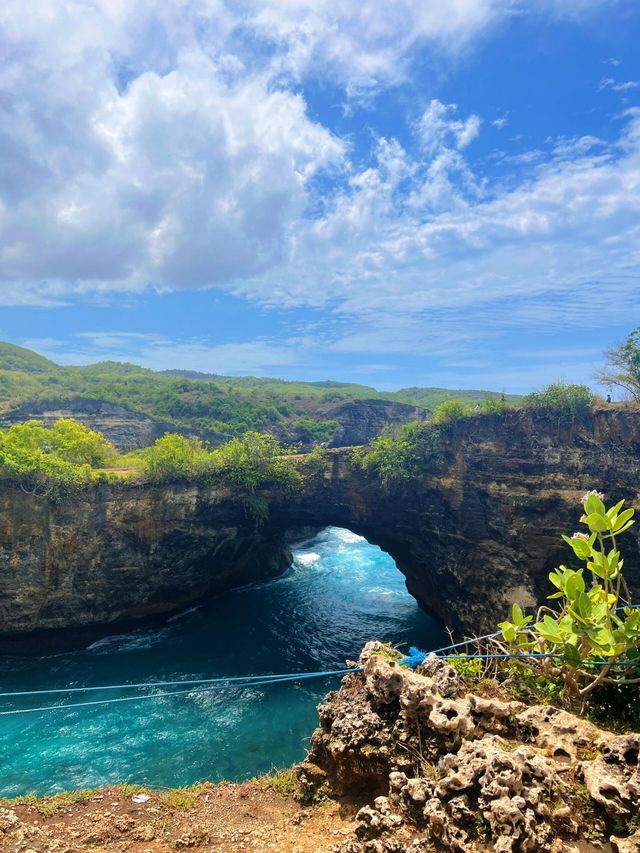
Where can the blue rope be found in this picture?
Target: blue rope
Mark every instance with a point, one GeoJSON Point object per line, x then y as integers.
{"type": "Point", "coordinates": [236, 683]}
{"type": "Point", "coordinates": [148, 684]}
{"type": "Point", "coordinates": [162, 695]}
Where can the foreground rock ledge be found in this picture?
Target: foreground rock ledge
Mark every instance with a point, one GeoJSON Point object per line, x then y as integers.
{"type": "Point", "coordinates": [445, 770]}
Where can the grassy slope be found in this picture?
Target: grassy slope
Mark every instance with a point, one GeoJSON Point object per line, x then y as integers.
{"type": "Point", "coordinates": [224, 404]}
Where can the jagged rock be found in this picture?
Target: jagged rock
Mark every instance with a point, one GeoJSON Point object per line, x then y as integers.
{"type": "Point", "coordinates": [454, 770]}
{"type": "Point", "coordinates": [613, 777]}
{"type": "Point", "coordinates": [8, 819]}
{"type": "Point", "coordinates": [444, 675]}
{"type": "Point", "coordinates": [626, 845]}
{"type": "Point", "coordinates": [562, 733]}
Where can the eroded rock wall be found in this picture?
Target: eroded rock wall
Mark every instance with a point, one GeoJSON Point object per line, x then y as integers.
{"type": "Point", "coordinates": [478, 528]}
{"type": "Point", "coordinates": [444, 768]}
{"type": "Point", "coordinates": [120, 554]}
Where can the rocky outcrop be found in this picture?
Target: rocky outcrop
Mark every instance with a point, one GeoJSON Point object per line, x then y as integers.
{"type": "Point", "coordinates": [124, 427]}
{"type": "Point", "coordinates": [116, 555]}
{"type": "Point", "coordinates": [478, 528]}
{"type": "Point", "coordinates": [467, 773]}
{"type": "Point", "coordinates": [360, 421]}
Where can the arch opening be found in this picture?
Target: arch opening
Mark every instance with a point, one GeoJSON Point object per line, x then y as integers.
{"type": "Point", "coordinates": [357, 589]}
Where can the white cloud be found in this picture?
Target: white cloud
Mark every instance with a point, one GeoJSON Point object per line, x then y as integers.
{"type": "Point", "coordinates": [559, 250]}
{"type": "Point", "coordinates": [610, 83]}
{"type": "Point", "coordinates": [158, 352]}
{"type": "Point", "coordinates": [168, 145]}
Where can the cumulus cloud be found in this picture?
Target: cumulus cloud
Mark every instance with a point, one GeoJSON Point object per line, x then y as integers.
{"type": "Point", "coordinates": [181, 177]}
{"type": "Point", "coordinates": [170, 145]}
{"type": "Point", "coordinates": [560, 249]}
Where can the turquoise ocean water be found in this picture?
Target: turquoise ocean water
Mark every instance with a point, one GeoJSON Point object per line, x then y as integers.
{"type": "Point", "coordinates": [340, 592]}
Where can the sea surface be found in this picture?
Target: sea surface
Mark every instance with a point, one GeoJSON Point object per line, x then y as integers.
{"type": "Point", "coordinates": [340, 592]}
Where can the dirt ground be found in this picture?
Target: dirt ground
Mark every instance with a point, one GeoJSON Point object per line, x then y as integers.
{"type": "Point", "coordinates": [252, 816]}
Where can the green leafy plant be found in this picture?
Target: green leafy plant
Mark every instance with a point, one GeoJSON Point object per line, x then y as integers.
{"type": "Point", "coordinates": [562, 400]}
{"type": "Point", "coordinates": [594, 636]}
{"type": "Point", "coordinates": [399, 454]}
{"type": "Point", "coordinates": [450, 411]}
{"type": "Point", "coordinates": [494, 406]}
{"type": "Point", "coordinates": [52, 460]}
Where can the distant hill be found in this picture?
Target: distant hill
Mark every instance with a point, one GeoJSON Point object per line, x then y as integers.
{"type": "Point", "coordinates": [13, 357]}
{"type": "Point", "coordinates": [131, 404]}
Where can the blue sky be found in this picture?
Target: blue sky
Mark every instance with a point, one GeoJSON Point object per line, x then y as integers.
{"type": "Point", "coordinates": [396, 193]}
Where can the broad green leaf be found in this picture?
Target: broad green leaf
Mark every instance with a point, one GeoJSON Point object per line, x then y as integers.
{"type": "Point", "coordinates": [517, 616]}
{"type": "Point", "coordinates": [581, 547]}
{"type": "Point", "coordinates": [597, 522]}
{"type": "Point", "coordinates": [509, 631]}
{"type": "Point", "coordinates": [550, 630]}
{"type": "Point", "coordinates": [594, 504]}
{"type": "Point", "coordinates": [584, 605]}
{"type": "Point", "coordinates": [574, 584]}
{"type": "Point", "coordinates": [622, 519]}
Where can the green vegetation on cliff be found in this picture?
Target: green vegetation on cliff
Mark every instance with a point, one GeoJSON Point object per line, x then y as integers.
{"type": "Point", "coordinates": [209, 405]}
{"type": "Point", "coordinates": [415, 447]}
{"type": "Point", "coordinates": [246, 463]}
{"type": "Point", "coordinates": [67, 453]}
{"type": "Point", "coordinates": [561, 400]}
{"type": "Point", "coordinates": [71, 455]}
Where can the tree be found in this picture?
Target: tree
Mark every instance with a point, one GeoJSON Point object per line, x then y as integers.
{"type": "Point", "coordinates": [622, 368]}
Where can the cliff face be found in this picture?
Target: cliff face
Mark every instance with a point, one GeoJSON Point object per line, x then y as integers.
{"type": "Point", "coordinates": [127, 429]}
{"type": "Point", "coordinates": [480, 529]}
{"type": "Point", "coordinates": [122, 554]}
{"type": "Point", "coordinates": [360, 421]}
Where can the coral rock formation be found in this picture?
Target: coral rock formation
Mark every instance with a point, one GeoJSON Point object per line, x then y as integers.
{"type": "Point", "coordinates": [465, 772]}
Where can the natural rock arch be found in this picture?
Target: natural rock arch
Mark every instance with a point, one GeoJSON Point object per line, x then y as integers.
{"type": "Point", "coordinates": [472, 534]}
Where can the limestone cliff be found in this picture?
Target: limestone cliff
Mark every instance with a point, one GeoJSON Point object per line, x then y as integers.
{"type": "Point", "coordinates": [479, 528]}
{"type": "Point", "coordinates": [445, 768]}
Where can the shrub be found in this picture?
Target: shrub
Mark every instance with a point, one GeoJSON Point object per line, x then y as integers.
{"type": "Point", "coordinates": [254, 460]}
{"type": "Point", "coordinates": [566, 401]}
{"type": "Point", "coordinates": [173, 457]}
{"type": "Point", "coordinates": [397, 456]}
{"type": "Point", "coordinates": [494, 406]}
{"type": "Point", "coordinates": [41, 457]}
{"type": "Point", "coordinates": [594, 636]}
{"type": "Point", "coordinates": [450, 411]}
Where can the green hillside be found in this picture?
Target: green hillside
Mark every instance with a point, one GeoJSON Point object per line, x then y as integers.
{"type": "Point", "coordinates": [208, 404]}
{"type": "Point", "coordinates": [13, 358]}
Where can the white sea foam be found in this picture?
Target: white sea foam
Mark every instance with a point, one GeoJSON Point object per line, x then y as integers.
{"type": "Point", "coordinates": [183, 613]}
{"type": "Point", "coordinates": [387, 593]}
{"type": "Point", "coordinates": [307, 559]}
{"type": "Point", "coordinates": [348, 536]}
{"type": "Point", "coordinates": [128, 642]}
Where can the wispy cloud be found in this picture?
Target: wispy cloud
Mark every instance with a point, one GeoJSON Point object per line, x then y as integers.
{"type": "Point", "coordinates": [615, 86]}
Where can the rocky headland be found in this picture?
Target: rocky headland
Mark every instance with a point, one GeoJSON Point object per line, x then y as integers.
{"type": "Point", "coordinates": [478, 528]}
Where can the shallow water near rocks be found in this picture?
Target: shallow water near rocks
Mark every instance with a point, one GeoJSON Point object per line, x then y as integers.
{"type": "Point", "coordinates": [340, 592]}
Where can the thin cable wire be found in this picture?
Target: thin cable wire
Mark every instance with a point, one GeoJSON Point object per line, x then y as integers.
{"type": "Point", "coordinates": [182, 682]}
{"type": "Point", "coordinates": [211, 689]}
